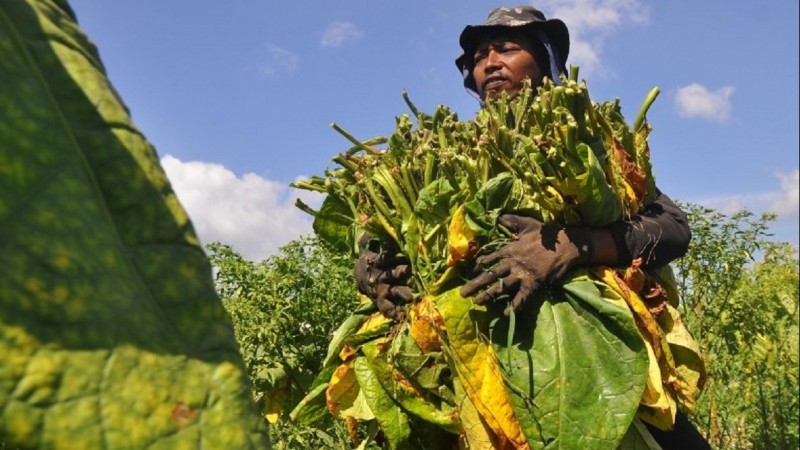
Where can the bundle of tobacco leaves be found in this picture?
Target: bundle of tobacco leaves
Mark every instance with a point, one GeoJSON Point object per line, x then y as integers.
{"type": "Point", "coordinates": [604, 343]}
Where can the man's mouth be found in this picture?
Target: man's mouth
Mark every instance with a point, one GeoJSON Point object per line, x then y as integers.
{"type": "Point", "coordinates": [494, 83]}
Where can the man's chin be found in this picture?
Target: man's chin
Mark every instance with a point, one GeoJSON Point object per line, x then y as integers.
{"type": "Point", "coordinates": [495, 94]}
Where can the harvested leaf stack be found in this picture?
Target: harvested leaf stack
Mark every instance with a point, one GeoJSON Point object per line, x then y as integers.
{"type": "Point", "coordinates": [455, 372]}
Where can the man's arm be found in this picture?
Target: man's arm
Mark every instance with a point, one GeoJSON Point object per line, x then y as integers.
{"type": "Point", "coordinates": [541, 253]}
{"type": "Point", "coordinates": [659, 234]}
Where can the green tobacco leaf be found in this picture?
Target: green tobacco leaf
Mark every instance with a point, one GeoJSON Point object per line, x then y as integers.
{"type": "Point", "coordinates": [111, 332]}
{"type": "Point", "coordinates": [588, 366]}
{"type": "Point", "coordinates": [392, 419]}
{"type": "Point", "coordinates": [400, 389]}
{"type": "Point", "coordinates": [434, 203]}
{"type": "Point", "coordinates": [332, 223]}
{"type": "Point", "coordinates": [347, 328]}
{"type": "Point", "coordinates": [428, 370]}
{"type": "Point", "coordinates": [313, 407]}
{"type": "Point", "coordinates": [489, 201]}
{"type": "Point", "coordinates": [595, 199]}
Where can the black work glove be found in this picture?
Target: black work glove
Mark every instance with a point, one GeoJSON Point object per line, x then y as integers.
{"type": "Point", "coordinates": [536, 254]}
{"type": "Point", "coordinates": [382, 276]}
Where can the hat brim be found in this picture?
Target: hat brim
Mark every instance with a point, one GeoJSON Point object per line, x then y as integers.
{"type": "Point", "coordinates": [555, 29]}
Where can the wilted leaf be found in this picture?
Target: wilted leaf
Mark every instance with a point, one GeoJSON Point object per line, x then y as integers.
{"type": "Point", "coordinates": [477, 435]}
{"type": "Point", "coordinates": [690, 367]}
{"type": "Point", "coordinates": [345, 397]}
{"type": "Point", "coordinates": [460, 238]}
{"type": "Point", "coordinates": [424, 323]}
{"type": "Point", "coordinates": [111, 332]}
{"type": "Point", "coordinates": [658, 406]}
{"type": "Point", "coordinates": [477, 368]}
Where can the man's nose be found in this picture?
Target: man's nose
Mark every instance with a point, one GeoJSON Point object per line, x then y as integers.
{"type": "Point", "coordinates": [492, 60]}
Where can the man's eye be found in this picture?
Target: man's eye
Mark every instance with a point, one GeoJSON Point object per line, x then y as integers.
{"type": "Point", "coordinates": [478, 57]}
{"type": "Point", "coordinates": [509, 48]}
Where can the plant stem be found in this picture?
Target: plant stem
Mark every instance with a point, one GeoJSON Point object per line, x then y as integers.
{"type": "Point", "coordinates": [356, 142]}
{"type": "Point", "coordinates": [640, 118]}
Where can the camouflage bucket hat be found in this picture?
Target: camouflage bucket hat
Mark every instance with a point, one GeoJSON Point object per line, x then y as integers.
{"type": "Point", "coordinates": [552, 33]}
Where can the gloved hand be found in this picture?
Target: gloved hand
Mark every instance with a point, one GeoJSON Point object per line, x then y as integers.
{"type": "Point", "coordinates": [537, 254]}
{"type": "Point", "coordinates": [381, 276]}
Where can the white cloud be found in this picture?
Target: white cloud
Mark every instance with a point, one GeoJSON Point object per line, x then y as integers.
{"type": "Point", "coordinates": [590, 23]}
{"type": "Point", "coordinates": [279, 60]}
{"type": "Point", "coordinates": [339, 32]}
{"type": "Point", "coordinates": [787, 202]}
{"type": "Point", "coordinates": [254, 215]}
{"type": "Point", "coordinates": [695, 100]}
{"type": "Point", "coordinates": [784, 202]}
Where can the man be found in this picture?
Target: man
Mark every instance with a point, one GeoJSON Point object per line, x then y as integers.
{"type": "Point", "coordinates": [513, 45]}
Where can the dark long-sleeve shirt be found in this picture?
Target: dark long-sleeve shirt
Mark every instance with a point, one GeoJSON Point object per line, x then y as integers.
{"type": "Point", "coordinates": [659, 234]}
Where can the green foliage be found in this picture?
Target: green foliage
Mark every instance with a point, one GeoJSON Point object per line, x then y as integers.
{"type": "Point", "coordinates": [285, 310]}
{"type": "Point", "coordinates": [744, 315]}
{"type": "Point", "coordinates": [111, 332]}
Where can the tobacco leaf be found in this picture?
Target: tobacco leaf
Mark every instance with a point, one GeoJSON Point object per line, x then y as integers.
{"type": "Point", "coordinates": [575, 366]}
{"type": "Point", "coordinates": [477, 368]}
{"type": "Point", "coordinates": [111, 332]}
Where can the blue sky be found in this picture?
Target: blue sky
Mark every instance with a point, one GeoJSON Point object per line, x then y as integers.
{"type": "Point", "coordinates": [238, 97]}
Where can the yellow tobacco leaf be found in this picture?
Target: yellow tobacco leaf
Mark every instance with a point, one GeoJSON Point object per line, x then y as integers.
{"type": "Point", "coordinates": [629, 199]}
{"type": "Point", "coordinates": [425, 321]}
{"type": "Point", "coordinates": [689, 365]}
{"type": "Point", "coordinates": [644, 320]}
{"type": "Point", "coordinates": [477, 368]}
{"type": "Point", "coordinates": [347, 352]}
{"type": "Point", "coordinates": [658, 404]}
{"type": "Point", "coordinates": [460, 237]}
{"type": "Point", "coordinates": [634, 276]}
{"type": "Point", "coordinates": [475, 435]}
{"type": "Point", "coordinates": [344, 397]}
{"type": "Point", "coordinates": [375, 324]}
{"type": "Point", "coordinates": [663, 419]}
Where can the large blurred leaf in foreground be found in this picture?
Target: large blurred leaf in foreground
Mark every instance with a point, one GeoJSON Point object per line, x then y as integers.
{"type": "Point", "coordinates": [111, 333]}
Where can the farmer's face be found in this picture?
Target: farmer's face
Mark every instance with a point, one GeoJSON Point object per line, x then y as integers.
{"type": "Point", "coordinates": [502, 63]}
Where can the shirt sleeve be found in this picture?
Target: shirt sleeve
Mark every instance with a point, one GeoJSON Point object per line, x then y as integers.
{"type": "Point", "coordinates": [659, 234]}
